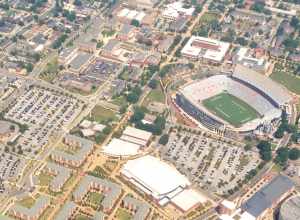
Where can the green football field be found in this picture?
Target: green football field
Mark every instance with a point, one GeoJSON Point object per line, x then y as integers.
{"type": "Point", "coordinates": [231, 109]}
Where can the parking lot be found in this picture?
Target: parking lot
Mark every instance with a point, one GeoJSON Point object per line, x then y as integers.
{"type": "Point", "coordinates": [10, 166]}
{"type": "Point", "coordinates": [210, 163]}
{"type": "Point", "coordinates": [44, 112]}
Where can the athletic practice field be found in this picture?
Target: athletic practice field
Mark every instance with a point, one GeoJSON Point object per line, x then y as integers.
{"type": "Point", "coordinates": [231, 109]}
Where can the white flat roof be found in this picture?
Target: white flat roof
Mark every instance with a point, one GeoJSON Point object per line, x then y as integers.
{"type": "Point", "coordinates": [228, 204]}
{"type": "Point", "coordinates": [137, 133]}
{"type": "Point", "coordinates": [123, 12]}
{"type": "Point", "coordinates": [118, 147]}
{"type": "Point", "coordinates": [87, 132]}
{"type": "Point", "coordinates": [188, 199]}
{"type": "Point", "coordinates": [133, 140]}
{"type": "Point", "coordinates": [206, 53]}
{"type": "Point", "coordinates": [132, 14]}
{"type": "Point", "coordinates": [160, 178]}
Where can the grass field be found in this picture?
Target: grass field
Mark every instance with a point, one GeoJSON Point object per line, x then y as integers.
{"type": "Point", "coordinates": [27, 202]}
{"type": "Point", "coordinates": [291, 82]}
{"type": "Point", "coordinates": [155, 95]}
{"type": "Point", "coordinates": [45, 179]}
{"type": "Point", "coordinates": [209, 17]}
{"type": "Point", "coordinates": [231, 109]}
{"type": "Point", "coordinates": [101, 114]}
{"type": "Point", "coordinates": [123, 215]}
{"type": "Point", "coordinates": [95, 198]}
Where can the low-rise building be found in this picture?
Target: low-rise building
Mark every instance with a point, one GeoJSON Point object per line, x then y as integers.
{"type": "Point", "coordinates": [140, 210]}
{"type": "Point", "coordinates": [33, 213]}
{"type": "Point", "coordinates": [67, 211]}
{"type": "Point", "coordinates": [136, 136]}
{"type": "Point", "coordinates": [61, 175]}
{"type": "Point", "coordinates": [205, 49]}
{"type": "Point", "coordinates": [110, 190]}
{"type": "Point", "coordinates": [176, 9]}
{"type": "Point", "coordinates": [83, 148]}
{"type": "Point", "coordinates": [268, 197]}
{"type": "Point", "coordinates": [246, 57]}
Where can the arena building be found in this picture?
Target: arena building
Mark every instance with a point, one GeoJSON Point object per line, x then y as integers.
{"type": "Point", "coordinates": [156, 178]}
{"type": "Point", "coordinates": [242, 101]}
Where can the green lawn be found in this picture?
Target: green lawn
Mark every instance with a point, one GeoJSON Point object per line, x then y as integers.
{"type": "Point", "coordinates": [27, 202]}
{"type": "Point", "coordinates": [121, 100]}
{"type": "Point", "coordinates": [123, 215]}
{"type": "Point", "coordinates": [95, 198]}
{"type": "Point", "coordinates": [231, 109]}
{"type": "Point", "coordinates": [209, 17]}
{"type": "Point", "coordinates": [81, 217]}
{"type": "Point", "coordinates": [155, 95]}
{"type": "Point", "coordinates": [290, 81]}
{"type": "Point", "coordinates": [101, 114]}
{"type": "Point", "coordinates": [45, 179]}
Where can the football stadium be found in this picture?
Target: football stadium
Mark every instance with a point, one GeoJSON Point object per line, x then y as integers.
{"type": "Point", "coordinates": [240, 102]}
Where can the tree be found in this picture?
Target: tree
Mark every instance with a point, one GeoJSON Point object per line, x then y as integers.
{"type": "Point", "coordinates": [279, 133]}
{"type": "Point", "coordinates": [258, 7]}
{"type": "Point", "coordinates": [164, 139]}
{"type": "Point", "coordinates": [290, 43]}
{"type": "Point", "coordinates": [99, 138]}
{"type": "Point", "coordinates": [99, 44]}
{"type": "Point", "coordinates": [242, 41]}
{"type": "Point", "coordinates": [138, 115]}
{"type": "Point", "coordinates": [135, 23]}
{"type": "Point", "coordinates": [294, 22]}
{"type": "Point", "coordinates": [265, 150]}
{"type": "Point", "coordinates": [247, 147]}
{"type": "Point", "coordinates": [294, 154]}
{"type": "Point", "coordinates": [77, 3]}
{"type": "Point", "coordinates": [132, 97]}
{"type": "Point", "coordinates": [264, 146]}
{"type": "Point", "coordinates": [107, 130]}
{"type": "Point", "coordinates": [266, 155]}
{"type": "Point", "coordinates": [153, 84]}
{"type": "Point", "coordinates": [282, 156]}
{"type": "Point", "coordinates": [29, 67]}
{"type": "Point", "coordinates": [253, 44]}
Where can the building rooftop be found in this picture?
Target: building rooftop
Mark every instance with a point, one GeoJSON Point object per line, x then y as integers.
{"type": "Point", "coordinates": [142, 208]}
{"type": "Point", "coordinates": [137, 133]}
{"type": "Point", "coordinates": [111, 190]}
{"type": "Point", "coordinates": [118, 147]}
{"type": "Point", "coordinates": [66, 211]}
{"type": "Point", "coordinates": [62, 174]}
{"type": "Point", "coordinates": [268, 195]}
{"type": "Point", "coordinates": [201, 47]}
{"type": "Point", "coordinates": [85, 147]}
{"type": "Point", "coordinates": [40, 204]}
{"type": "Point", "coordinates": [155, 177]}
